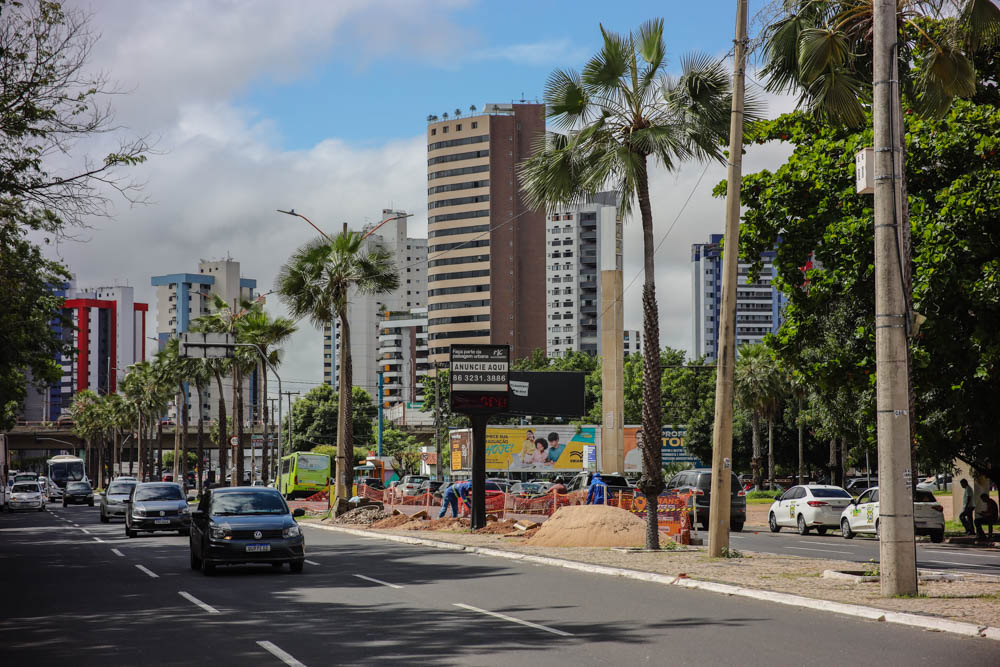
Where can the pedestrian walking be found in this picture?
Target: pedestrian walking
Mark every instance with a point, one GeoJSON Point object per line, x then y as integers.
{"type": "Point", "coordinates": [451, 496]}
{"type": "Point", "coordinates": [597, 494]}
{"type": "Point", "coordinates": [968, 508]}
{"type": "Point", "coordinates": [987, 517]}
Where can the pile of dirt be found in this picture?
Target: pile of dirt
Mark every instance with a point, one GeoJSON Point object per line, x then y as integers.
{"type": "Point", "coordinates": [591, 526]}
{"type": "Point", "coordinates": [498, 527]}
{"type": "Point", "coordinates": [447, 523]}
{"type": "Point", "coordinates": [394, 521]}
{"type": "Point", "coordinates": [362, 516]}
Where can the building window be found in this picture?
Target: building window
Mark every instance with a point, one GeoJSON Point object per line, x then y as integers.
{"type": "Point", "coordinates": [458, 127]}
{"type": "Point", "coordinates": [475, 125]}
{"type": "Point", "coordinates": [433, 131]}
{"type": "Point", "coordinates": [444, 130]}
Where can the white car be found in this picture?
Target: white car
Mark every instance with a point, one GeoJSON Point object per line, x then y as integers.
{"type": "Point", "coordinates": [810, 506]}
{"type": "Point", "coordinates": [27, 496]}
{"type": "Point", "coordinates": [862, 516]}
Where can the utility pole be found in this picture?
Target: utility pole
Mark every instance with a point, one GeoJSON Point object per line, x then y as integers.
{"type": "Point", "coordinates": [896, 544]}
{"type": "Point", "coordinates": [722, 434]}
{"type": "Point", "coordinates": [380, 412]}
{"type": "Point", "coordinates": [274, 451]}
{"type": "Point", "coordinates": [437, 418]}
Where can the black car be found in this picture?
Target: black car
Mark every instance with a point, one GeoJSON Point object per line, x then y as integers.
{"type": "Point", "coordinates": [244, 524]}
{"type": "Point", "coordinates": [78, 493]}
{"type": "Point", "coordinates": [157, 506]}
{"type": "Point", "coordinates": [699, 482]}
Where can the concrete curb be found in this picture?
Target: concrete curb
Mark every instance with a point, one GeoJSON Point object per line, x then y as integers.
{"type": "Point", "coordinates": [857, 611]}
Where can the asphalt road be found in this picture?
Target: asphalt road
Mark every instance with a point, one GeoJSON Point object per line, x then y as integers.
{"type": "Point", "coordinates": [930, 556]}
{"type": "Point", "coordinates": [77, 592]}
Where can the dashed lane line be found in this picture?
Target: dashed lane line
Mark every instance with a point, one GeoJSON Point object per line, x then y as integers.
{"type": "Point", "coordinates": [97, 539]}
{"type": "Point", "coordinates": [519, 621]}
{"type": "Point", "coordinates": [824, 551]}
{"type": "Point", "coordinates": [148, 571]}
{"type": "Point", "coordinates": [377, 581]}
{"type": "Point", "coordinates": [311, 562]}
{"type": "Point", "coordinates": [118, 553]}
{"type": "Point", "coordinates": [281, 655]}
{"type": "Point", "coordinates": [190, 598]}
{"type": "Point", "coordinates": [85, 530]}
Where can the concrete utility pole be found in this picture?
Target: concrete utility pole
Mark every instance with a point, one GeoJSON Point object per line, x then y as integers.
{"type": "Point", "coordinates": [722, 435]}
{"type": "Point", "coordinates": [291, 432]}
{"type": "Point", "coordinates": [437, 421]}
{"type": "Point", "coordinates": [896, 545]}
{"type": "Point", "coordinates": [612, 458]}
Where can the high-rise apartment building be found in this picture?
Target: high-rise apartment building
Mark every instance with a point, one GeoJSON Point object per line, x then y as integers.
{"type": "Point", "coordinates": [108, 335]}
{"type": "Point", "coordinates": [183, 297]}
{"type": "Point", "coordinates": [758, 304]}
{"type": "Point", "coordinates": [402, 352]}
{"type": "Point", "coordinates": [365, 311]}
{"type": "Point", "coordinates": [486, 248]}
{"type": "Point", "coordinates": [576, 238]}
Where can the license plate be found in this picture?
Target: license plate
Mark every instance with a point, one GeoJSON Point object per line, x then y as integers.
{"type": "Point", "coordinates": [162, 522]}
{"type": "Point", "coordinates": [258, 547]}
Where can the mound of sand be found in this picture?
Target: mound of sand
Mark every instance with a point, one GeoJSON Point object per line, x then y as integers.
{"type": "Point", "coordinates": [394, 521]}
{"type": "Point", "coordinates": [447, 523]}
{"type": "Point", "coordinates": [590, 526]}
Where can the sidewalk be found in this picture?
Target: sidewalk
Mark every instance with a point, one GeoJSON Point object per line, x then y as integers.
{"type": "Point", "coordinates": [974, 599]}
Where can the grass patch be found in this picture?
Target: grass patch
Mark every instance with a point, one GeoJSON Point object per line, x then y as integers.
{"type": "Point", "coordinates": [768, 495]}
{"type": "Point", "coordinates": [759, 501]}
{"type": "Point", "coordinates": [911, 596]}
{"type": "Point", "coordinates": [954, 528]}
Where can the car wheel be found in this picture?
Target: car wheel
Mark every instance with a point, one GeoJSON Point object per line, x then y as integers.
{"type": "Point", "coordinates": [195, 561]}
{"type": "Point", "coordinates": [207, 568]}
{"type": "Point", "coordinates": [736, 527]}
{"type": "Point", "coordinates": [276, 566]}
{"type": "Point", "coordinates": [64, 504]}
{"type": "Point", "coordinates": [296, 566]}
{"type": "Point", "coordinates": [772, 523]}
{"type": "Point", "coordinates": [130, 533]}
{"type": "Point", "coordinates": [937, 536]}
{"type": "Point", "coordinates": [878, 530]}
{"type": "Point", "coordinates": [104, 518]}
{"type": "Point", "coordinates": [821, 530]}
{"type": "Point", "coordinates": [803, 528]}
{"type": "Point", "coordinates": [42, 508]}
{"type": "Point", "coordinates": [845, 529]}
{"type": "Point", "coordinates": [91, 503]}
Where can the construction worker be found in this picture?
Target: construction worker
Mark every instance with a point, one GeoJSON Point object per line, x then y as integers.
{"type": "Point", "coordinates": [451, 496]}
{"type": "Point", "coordinates": [597, 494]}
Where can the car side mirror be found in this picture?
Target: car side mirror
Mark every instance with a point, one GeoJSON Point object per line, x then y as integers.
{"type": "Point", "coordinates": [298, 511]}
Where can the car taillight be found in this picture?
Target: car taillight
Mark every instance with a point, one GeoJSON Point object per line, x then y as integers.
{"type": "Point", "coordinates": [816, 503]}
{"type": "Point", "coordinates": [698, 492]}
{"type": "Point", "coordinates": [741, 492]}
{"type": "Point", "coordinates": [937, 507]}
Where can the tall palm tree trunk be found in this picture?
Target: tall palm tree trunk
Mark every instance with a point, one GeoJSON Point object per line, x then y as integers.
{"type": "Point", "coordinates": [200, 467]}
{"type": "Point", "coordinates": [100, 463]}
{"type": "Point", "coordinates": [770, 453]}
{"type": "Point", "coordinates": [178, 403]}
{"type": "Point", "coordinates": [184, 445]}
{"type": "Point", "coordinates": [345, 427]}
{"type": "Point", "coordinates": [833, 462]}
{"type": "Point", "coordinates": [158, 471]}
{"type": "Point", "coordinates": [651, 482]}
{"type": "Point", "coordinates": [138, 449]}
{"type": "Point", "coordinates": [802, 477]}
{"type": "Point", "coordinates": [240, 460]}
{"type": "Point", "coordinates": [264, 458]}
{"type": "Point", "coordinates": [223, 427]}
{"type": "Point", "coordinates": [755, 459]}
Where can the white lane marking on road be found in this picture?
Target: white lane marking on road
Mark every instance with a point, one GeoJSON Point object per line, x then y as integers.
{"type": "Point", "coordinates": [280, 655]}
{"type": "Point", "coordinates": [117, 553]}
{"type": "Point", "coordinates": [813, 542]}
{"type": "Point", "coordinates": [190, 598]}
{"type": "Point", "coordinates": [377, 581]}
{"type": "Point", "coordinates": [148, 571]}
{"type": "Point", "coordinates": [85, 530]}
{"type": "Point", "coordinates": [311, 562]}
{"type": "Point", "coordinates": [824, 551]}
{"type": "Point", "coordinates": [951, 562]}
{"type": "Point", "coordinates": [956, 552]}
{"type": "Point", "coordinates": [97, 539]}
{"type": "Point", "coordinates": [75, 525]}
{"type": "Point", "coordinates": [514, 620]}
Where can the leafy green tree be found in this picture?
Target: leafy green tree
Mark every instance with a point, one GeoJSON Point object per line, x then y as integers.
{"type": "Point", "coordinates": [314, 419]}
{"type": "Point", "coordinates": [404, 450]}
{"type": "Point", "coordinates": [619, 114]}
{"type": "Point", "coordinates": [316, 283]}
{"type": "Point", "coordinates": [757, 388]}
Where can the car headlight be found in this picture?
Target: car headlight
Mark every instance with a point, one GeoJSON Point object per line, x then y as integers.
{"type": "Point", "coordinates": [220, 532]}
{"type": "Point", "coordinates": [291, 531]}
{"type": "Point", "coordinates": [138, 511]}
{"type": "Point", "coordinates": [184, 511]}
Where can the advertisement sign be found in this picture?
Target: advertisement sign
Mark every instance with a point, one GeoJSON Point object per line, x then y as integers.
{"type": "Point", "coordinates": [548, 393]}
{"type": "Point", "coordinates": [552, 448]}
{"type": "Point", "coordinates": [461, 449]}
{"type": "Point", "coordinates": [671, 511]}
{"type": "Point", "coordinates": [671, 448]}
{"type": "Point", "coordinates": [590, 457]}
{"type": "Point", "coordinates": [479, 378]}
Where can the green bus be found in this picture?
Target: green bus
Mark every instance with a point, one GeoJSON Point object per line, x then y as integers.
{"type": "Point", "coordinates": [304, 473]}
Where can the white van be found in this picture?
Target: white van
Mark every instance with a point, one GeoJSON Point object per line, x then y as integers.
{"type": "Point", "coordinates": [861, 516]}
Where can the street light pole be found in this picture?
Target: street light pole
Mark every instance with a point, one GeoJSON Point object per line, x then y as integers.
{"type": "Point", "coordinates": [291, 211]}
{"type": "Point", "coordinates": [722, 434]}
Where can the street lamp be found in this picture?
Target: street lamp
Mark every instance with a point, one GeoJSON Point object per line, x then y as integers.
{"type": "Point", "coordinates": [291, 211]}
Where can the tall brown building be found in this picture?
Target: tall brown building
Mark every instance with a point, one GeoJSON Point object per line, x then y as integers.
{"type": "Point", "coordinates": [485, 249]}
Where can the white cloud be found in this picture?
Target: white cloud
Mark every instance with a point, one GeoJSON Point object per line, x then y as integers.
{"type": "Point", "coordinates": [546, 52]}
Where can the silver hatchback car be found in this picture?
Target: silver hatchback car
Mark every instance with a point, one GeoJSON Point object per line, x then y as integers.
{"type": "Point", "coordinates": [113, 500]}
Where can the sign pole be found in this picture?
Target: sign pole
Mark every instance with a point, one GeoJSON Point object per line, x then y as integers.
{"type": "Point", "coordinates": [478, 470]}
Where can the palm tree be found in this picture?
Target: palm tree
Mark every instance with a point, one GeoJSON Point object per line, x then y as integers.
{"type": "Point", "coordinates": [86, 409]}
{"type": "Point", "coordinates": [268, 335]}
{"type": "Point", "coordinates": [798, 388]}
{"type": "Point", "coordinates": [316, 282]}
{"type": "Point", "coordinates": [616, 117]}
{"type": "Point", "coordinates": [756, 387]}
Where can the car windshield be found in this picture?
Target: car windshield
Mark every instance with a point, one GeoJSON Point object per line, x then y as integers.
{"type": "Point", "coordinates": [492, 486]}
{"type": "Point", "coordinates": [25, 477]}
{"type": "Point", "coordinates": [224, 504]}
{"type": "Point", "coordinates": [531, 488]}
{"type": "Point", "coordinates": [25, 487]}
{"type": "Point", "coordinates": [78, 486]}
{"type": "Point", "coordinates": [923, 497]}
{"type": "Point", "coordinates": [158, 493]}
{"type": "Point", "coordinates": [313, 462]}
{"type": "Point", "coordinates": [68, 471]}
{"type": "Point", "coordinates": [614, 480]}
{"type": "Point", "coordinates": [417, 480]}
{"type": "Point", "coordinates": [830, 493]}
{"type": "Point", "coordinates": [120, 488]}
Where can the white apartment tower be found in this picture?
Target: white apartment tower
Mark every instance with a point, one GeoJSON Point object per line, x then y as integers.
{"type": "Point", "coordinates": [402, 347]}
{"type": "Point", "coordinates": [576, 237]}
{"type": "Point", "coordinates": [365, 311]}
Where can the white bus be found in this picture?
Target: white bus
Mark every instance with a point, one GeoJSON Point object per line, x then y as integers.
{"type": "Point", "coordinates": [62, 469]}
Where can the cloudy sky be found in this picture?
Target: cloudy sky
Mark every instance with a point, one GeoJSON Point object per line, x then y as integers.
{"type": "Point", "coordinates": [256, 105]}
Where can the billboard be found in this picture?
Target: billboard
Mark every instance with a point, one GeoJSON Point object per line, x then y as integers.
{"type": "Point", "coordinates": [671, 448]}
{"type": "Point", "coordinates": [548, 393]}
{"type": "Point", "coordinates": [555, 448]}
{"type": "Point", "coordinates": [460, 441]}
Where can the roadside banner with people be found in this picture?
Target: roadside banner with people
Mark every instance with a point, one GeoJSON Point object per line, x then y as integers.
{"type": "Point", "coordinates": [549, 448]}
{"type": "Point", "coordinates": [671, 448]}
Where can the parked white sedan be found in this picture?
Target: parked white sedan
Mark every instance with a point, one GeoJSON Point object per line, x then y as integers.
{"type": "Point", "coordinates": [810, 506]}
{"type": "Point", "coordinates": [862, 516]}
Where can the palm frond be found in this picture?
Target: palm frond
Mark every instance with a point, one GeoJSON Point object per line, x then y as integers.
{"type": "Point", "coordinates": [605, 70]}
{"type": "Point", "coordinates": [982, 21]}
{"type": "Point", "coordinates": [837, 96]}
{"type": "Point", "coordinates": [781, 51]}
{"type": "Point", "coordinates": [566, 98]}
{"type": "Point", "coordinates": [821, 50]}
